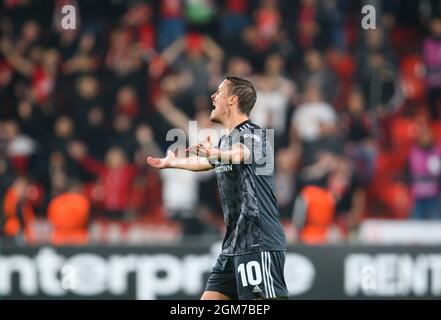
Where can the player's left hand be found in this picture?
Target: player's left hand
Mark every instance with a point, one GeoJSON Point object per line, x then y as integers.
{"type": "Point", "coordinates": [205, 149]}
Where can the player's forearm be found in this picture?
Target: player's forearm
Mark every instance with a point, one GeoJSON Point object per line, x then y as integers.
{"type": "Point", "coordinates": [235, 155]}
{"type": "Point", "coordinates": [191, 163]}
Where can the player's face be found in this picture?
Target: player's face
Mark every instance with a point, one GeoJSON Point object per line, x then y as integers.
{"type": "Point", "coordinates": [219, 100]}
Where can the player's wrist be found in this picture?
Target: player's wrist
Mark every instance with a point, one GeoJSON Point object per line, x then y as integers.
{"type": "Point", "coordinates": [214, 154]}
{"type": "Point", "coordinates": [171, 163]}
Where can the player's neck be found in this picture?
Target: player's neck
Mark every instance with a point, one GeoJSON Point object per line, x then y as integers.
{"type": "Point", "coordinates": [234, 122]}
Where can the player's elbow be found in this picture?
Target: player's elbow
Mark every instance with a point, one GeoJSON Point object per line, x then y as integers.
{"type": "Point", "coordinates": [202, 165]}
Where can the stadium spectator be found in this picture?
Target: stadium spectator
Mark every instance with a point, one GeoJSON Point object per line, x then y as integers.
{"type": "Point", "coordinates": [172, 24]}
{"type": "Point", "coordinates": [201, 15]}
{"type": "Point", "coordinates": [19, 147]}
{"type": "Point", "coordinates": [145, 199]}
{"type": "Point", "coordinates": [313, 214]}
{"type": "Point", "coordinates": [268, 21]}
{"type": "Point", "coordinates": [350, 195]}
{"type": "Point", "coordinates": [18, 212]}
{"type": "Point", "coordinates": [374, 41]}
{"type": "Point", "coordinates": [40, 69]}
{"type": "Point", "coordinates": [86, 96]}
{"type": "Point", "coordinates": [63, 133]}
{"type": "Point", "coordinates": [122, 135]}
{"type": "Point", "coordinates": [123, 57]}
{"type": "Point", "coordinates": [239, 66]}
{"type": "Point", "coordinates": [378, 79]}
{"type": "Point", "coordinates": [138, 23]}
{"type": "Point", "coordinates": [115, 177]}
{"type": "Point", "coordinates": [287, 164]}
{"type": "Point", "coordinates": [235, 19]}
{"type": "Point", "coordinates": [68, 214]}
{"type": "Point", "coordinates": [193, 55]}
{"type": "Point", "coordinates": [6, 175]}
{"type": "Point", "coordinates": [30, 36]}
{"type": "Point", "coordinates": [33, 121]}
{"type": "Point", "coordinates": [95, 132]}
{"type": "Point", "coordinates": [6, 82]}
{"type": "Point", "coordinates": [127, 102]}
{"type": "Point", "coordinates": [432, 60]}
{"type": "Point", "coordinates": [58, 173]}
{"type": "Point", "coordinates": [274, 94]}
{"type": "Point", "coordinates": [181, 206]}
{"type": "Point", "coordinates": [85, 60]}
{"type": "Point", "coordinates": [359, 143]}
{"type": "Point", "coordinates": [312, 113]}
{"type": "Point", "coordinates": [425, 173]}
{"type": "Point", "coordinates": [312, 28]}
{"type": "Point", "coordinates": [315, 71]}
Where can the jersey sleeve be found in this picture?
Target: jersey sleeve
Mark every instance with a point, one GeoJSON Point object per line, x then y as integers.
{"type": "Point", "coordinates": [212, 162]}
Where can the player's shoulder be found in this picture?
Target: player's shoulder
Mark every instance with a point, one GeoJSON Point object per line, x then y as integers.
{"type": "Point", "coordinates": [254, 126]}
{"type": "Point", "coordinates": [247, 125]}
{"type": "Point", "coordinates": [249, 131]}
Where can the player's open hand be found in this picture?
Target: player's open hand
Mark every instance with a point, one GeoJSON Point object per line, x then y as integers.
{"type": "Point", "coordinates": [162, 163]}
{"type": "Point", "coordinates": [205, 149]}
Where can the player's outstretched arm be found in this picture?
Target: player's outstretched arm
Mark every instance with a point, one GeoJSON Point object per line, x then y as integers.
{"type": "Point", "coordinates": [236, 154]}
{"type": "Point", "coordinates": [188, 163]}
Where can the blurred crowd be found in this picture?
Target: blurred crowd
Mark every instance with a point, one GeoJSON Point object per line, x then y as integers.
{"type": "Point", "coordinates": [356, 112]}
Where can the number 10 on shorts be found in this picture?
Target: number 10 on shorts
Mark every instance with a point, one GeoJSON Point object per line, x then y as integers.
{"type": "Point", "coordinates": [250, 273]}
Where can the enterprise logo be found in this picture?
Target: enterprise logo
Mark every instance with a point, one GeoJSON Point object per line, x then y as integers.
{"type": "Point", "coordinates": [224, 168]}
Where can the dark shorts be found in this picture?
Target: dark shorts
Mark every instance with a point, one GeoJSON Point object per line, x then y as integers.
{"type": "Point", "coordinates": [257, 275]}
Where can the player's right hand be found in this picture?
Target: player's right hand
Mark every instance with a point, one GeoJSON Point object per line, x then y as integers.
{"type": "Point", "coordinates": [162, 163]}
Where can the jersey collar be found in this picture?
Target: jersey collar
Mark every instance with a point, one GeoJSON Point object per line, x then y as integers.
{"type": "Point", "coordinates": [242, 125]}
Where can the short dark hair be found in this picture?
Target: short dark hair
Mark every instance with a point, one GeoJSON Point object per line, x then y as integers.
{"type": "Point", "coordinates": [245, 92]}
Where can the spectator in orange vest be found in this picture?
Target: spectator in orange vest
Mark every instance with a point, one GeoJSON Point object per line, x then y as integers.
{"type": "Point", "coordinates": [18, 211]}
{"type": "Point", "coordinates": [69, 214]}
{"type": "Point", "coordinates": [313, 214]}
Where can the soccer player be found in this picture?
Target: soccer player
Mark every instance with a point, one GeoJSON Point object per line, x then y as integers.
{"type": "Point", "coordinates": [251, 264]}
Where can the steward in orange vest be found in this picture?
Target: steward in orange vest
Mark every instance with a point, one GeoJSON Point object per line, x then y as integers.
{"type": "Point", "coordinates": [314, 212]}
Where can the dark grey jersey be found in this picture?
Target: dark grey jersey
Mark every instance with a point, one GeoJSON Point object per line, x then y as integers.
{"type": "Point", "coordinates": [247, 193]}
